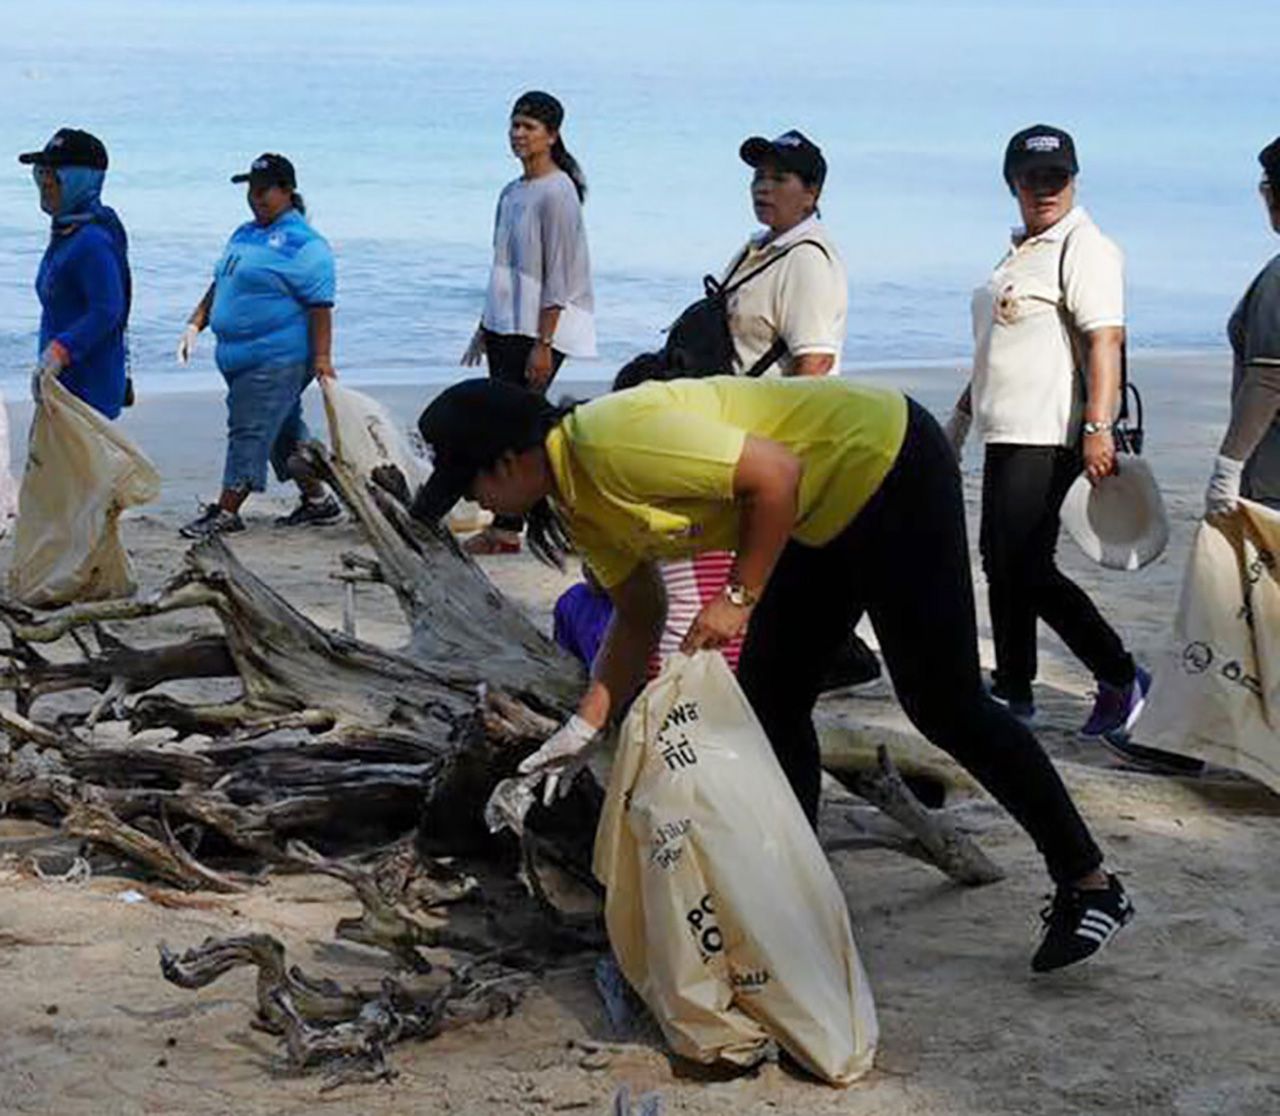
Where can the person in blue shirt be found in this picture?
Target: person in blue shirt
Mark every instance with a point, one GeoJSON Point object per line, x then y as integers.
{"type": "Point", "coordinates": [83, 283]}
{"type": "Point", "coordinates": [271, 308]}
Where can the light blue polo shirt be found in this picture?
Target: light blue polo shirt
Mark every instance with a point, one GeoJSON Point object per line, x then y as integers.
{"type": "Point", "coordinates": [267, 280]}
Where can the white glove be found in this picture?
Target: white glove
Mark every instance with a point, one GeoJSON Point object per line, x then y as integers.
{"type": "Point", "coordinates": [187, 344]}
{"type": "Point", "coordinates": [1223, 493]}
{"type": "Point", "coordinates": [957, 430]}
{"type": "Point", "coordinates": [475, 350]}
{"type": "Point", "coordinates": [561, 757]}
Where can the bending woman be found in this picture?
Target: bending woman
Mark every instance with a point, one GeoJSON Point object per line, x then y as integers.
{"type": "Point", "coordinates": [539, 308]}
{"type": "Point", "coordinates": [835, 497]}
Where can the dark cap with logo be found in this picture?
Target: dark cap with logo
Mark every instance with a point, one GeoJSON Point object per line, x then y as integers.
{"type": "Point", "coordinates": [1269, 157]}
{"type": "Point", "coordinates": [792, 151]}
{"type": "Point", "coordinates": [69, 147]}
{"type": "Point", "coordinates": [1041, 145]}
{"type": "Point", "coordinates": [269, 169]}
{"type": "Point", "coordinates": [469, 426]}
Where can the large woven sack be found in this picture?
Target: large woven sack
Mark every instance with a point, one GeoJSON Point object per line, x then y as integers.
{"type": "Point", "coordinates": [721, 908]}
{"type": "Point", "coordinates": [1216, 694]}
{"type": "Point", "coordinates": [82, 472]}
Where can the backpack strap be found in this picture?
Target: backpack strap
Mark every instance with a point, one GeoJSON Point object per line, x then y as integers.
{"type": "Point", "coordinates": [1123, 413]}
{"type": "Point", "coordinates": [729, 288]}
{"type": "Point", "coordinates": [774, 352]}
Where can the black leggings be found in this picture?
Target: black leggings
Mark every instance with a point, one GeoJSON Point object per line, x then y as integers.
{"type": "Point", "coordinates": [1022, 492]}
{"type": "Point", "coordinates": [507, 355]}
{"type": "Point", "coordinates": [904, 559]}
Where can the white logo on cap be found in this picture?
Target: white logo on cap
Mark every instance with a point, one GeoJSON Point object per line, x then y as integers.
{"type": "Point", "coordinates": [260, 164]}
{"type": "Point", "coordinates": [1042, 143]}
{"type": "Point", "coordinates": [788, 139]}
{"type": "Point", "coordinates": [57, 141]}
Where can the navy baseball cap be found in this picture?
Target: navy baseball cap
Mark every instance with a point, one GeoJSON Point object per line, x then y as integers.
{"type": "Point", "coordinates": [269, 169]}
{"type": "Point", "coordinates": [69, 147]}
{"type": "Point", "coordinates": [1041, 145]}
{"type": "Point", "coordinates": [1269, 157]}
{"type": "Point", "coordinates": [792, 151]}
{"type": "Point", "coordinates": [468, 427]}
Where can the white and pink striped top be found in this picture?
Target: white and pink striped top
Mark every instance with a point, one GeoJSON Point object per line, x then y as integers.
{"type": "Point", "coordinates": [691, 583]}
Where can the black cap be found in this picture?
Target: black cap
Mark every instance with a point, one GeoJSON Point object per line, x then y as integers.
{"type": "Point", "coordinates": [792, 151]}
{"type": "Point", "coordinates": [1269, 157]}
{"type": "Point", "coordinates": [269, 169]}
{"type": "Point", "coordinates": [1041, 145]}
{"type": "Point", "coordinates": [69, 147]}
{"type": "Point", "coordinates": [469, 426]}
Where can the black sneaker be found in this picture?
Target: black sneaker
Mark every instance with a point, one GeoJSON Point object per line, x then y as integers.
{"type": "Point", "coordinates": [310, 512]}
{"type": "Point", "coordinates": [1079, 922]}
{"type": "Point", "coordinates": [1155, 761]}
{"type": "Point", "coordinates": [214, 520]}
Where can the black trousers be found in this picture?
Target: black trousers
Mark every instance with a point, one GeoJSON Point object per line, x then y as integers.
{"type": "Point", "coordinates": [507, 355]}
{"type": "Point", "coordinates": [904, 559]}
{"type": "Point", "coordinates": [1022, 492]}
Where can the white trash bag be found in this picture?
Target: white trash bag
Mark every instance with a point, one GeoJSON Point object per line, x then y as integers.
{"type": "Point", "coordinates": [82, 472]}
{"type": "Point", "coordinates": [365, 435]}
{"type": "Point", "coordinates": [8, 486]}
{"type": "Point", "coordinates": [722, 910]}
{"type": "Point", "coordinates": [1216, 694]}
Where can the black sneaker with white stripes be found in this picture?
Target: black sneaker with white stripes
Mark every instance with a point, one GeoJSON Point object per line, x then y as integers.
{"type": "Point", "coordinates": [1079, 922]}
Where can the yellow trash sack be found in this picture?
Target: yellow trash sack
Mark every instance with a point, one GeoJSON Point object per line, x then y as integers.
{"type": "Point", "coordinates": [722, 910]}
{"type": "Point", "coordinates": [1216, 695]}
{"type": "Point", "coordinates": [81, 473]}
{"type": "Point", "coordinates": [365, 435]}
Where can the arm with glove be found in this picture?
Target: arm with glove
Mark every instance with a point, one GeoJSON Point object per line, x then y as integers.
{"type": "Point", "coordinates": [198, 320]}
{"type": "Point", "coordinates": [640, 608]}
{"type": "Point", "coordinates": [1254, 409]}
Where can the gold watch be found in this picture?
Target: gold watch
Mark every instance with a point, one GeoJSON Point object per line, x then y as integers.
{"type": "Point", "coordinates": [739, 595]}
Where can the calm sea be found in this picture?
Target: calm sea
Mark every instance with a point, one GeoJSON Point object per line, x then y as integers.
{"type": "Point", "coordinates": [395, 114]}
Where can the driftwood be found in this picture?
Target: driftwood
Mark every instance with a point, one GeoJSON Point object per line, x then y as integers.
{"type": "Point", "coordinates": [334, 750]}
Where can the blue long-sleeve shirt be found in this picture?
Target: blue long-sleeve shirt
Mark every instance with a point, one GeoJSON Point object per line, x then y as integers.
{"type": "Point", "coordinates": [81, 285]}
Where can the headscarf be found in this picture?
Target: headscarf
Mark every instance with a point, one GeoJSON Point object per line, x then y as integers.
{"type": "Point", "coordinates": [81, 199]}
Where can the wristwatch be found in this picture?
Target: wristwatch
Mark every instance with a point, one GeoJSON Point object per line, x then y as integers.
{"type": "Point", "coordinates": [739, 595]}
{"type": "Point", "coordinates": [1097, 427]}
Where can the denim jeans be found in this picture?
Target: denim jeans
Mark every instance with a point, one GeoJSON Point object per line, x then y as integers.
{"type": "Point", "coordinates": [264, 423]}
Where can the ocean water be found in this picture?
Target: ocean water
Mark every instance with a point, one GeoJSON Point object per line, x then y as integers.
{"type": "Point", "coordinates": [395, 115]}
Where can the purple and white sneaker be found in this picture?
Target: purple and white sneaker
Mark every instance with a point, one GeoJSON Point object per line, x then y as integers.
{"type": "Point", "coordinates": [1117, 708]}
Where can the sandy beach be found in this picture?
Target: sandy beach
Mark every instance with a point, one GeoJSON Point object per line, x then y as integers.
{"type": "Point", "coordinates": [1182, 1016]}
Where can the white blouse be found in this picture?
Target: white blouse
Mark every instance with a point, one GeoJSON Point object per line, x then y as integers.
{"type": "Point", "coordinates": [540, 259]}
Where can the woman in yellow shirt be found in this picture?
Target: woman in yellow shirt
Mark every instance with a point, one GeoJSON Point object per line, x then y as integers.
{"type": "Point", "coordinates": [835, 497]}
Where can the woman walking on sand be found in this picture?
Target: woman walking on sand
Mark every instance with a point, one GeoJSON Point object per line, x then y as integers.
{"type": "Point", "coordinates": [539, 307]}
{"type": "Point", "coordinates": [271, 306]}
{"type": "Point", "coordinates": [1049, 335]}
{"type": "Point", "coordinates": [1248, 461]}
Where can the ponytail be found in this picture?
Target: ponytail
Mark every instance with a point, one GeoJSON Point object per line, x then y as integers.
{"type": "Point", "coordinates": [567, 163]}
{"type": "Point", "coordinates": [295, 200]}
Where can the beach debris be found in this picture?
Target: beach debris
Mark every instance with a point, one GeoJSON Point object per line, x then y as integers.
{"type": "Point", "coordinates": [344, 1032]}
{"type": "Point", "coordinates": [336, 755]}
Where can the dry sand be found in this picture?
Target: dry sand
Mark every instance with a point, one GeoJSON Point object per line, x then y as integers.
{"type": "Point", "coordinates": [1181, 1016]}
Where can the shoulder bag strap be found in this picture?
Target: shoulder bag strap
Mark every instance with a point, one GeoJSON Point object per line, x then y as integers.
{"type": "Point", "coordinates": [729, 288]}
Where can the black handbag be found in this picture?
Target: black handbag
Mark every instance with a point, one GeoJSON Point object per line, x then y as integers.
{"type": "Point", "coordinates": [699, 342]}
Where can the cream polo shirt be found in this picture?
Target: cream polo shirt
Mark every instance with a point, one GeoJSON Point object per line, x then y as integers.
{"type": "Point", "coordinates": [1028, 385]}
{"type": "Point", "coordinates": [803, 299]}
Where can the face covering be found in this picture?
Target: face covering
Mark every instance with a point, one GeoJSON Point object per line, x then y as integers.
{"type": "Point", "coordinates": [81, 195]}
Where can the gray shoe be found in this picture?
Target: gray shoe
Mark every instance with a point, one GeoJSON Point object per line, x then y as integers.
{"type": "Point", "coordinates": [214, 520]}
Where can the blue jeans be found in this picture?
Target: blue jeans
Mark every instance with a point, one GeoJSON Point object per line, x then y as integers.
{"type": "Point", "coordinates": [264, 423]}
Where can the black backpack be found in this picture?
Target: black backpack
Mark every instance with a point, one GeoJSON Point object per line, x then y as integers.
{"type": "Point", "coordinates": [699, 342]}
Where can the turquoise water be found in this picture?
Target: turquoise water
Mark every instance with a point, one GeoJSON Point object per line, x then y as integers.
{"type": "Point", "coordinates": [395, 114]}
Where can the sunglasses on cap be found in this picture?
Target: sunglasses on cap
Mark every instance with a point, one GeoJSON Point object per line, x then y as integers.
{"type": "Point", "coordinates": [1052, 179]}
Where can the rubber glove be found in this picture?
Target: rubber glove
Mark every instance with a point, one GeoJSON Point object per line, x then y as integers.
{"type": "Point", "coordinates": [561, 757]}
{"type": "Point", "coordinates": [52, 361]}
{"type": "Point", "coordinates": [957, 430]}
{"type": "Point", "coordinates": [187, 343]}
{"type": "Point", "coordinates": [1223, 493]}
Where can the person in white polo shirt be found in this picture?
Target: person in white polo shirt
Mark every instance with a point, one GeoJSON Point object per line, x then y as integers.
{"type": "Point", "coordinates": [1049, 335]}
{"type": "Point", "coordinates": [787, 313]}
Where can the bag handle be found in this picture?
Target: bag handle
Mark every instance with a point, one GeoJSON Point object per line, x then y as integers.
{"type": "Point", "coordinates": [1135, 433]}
